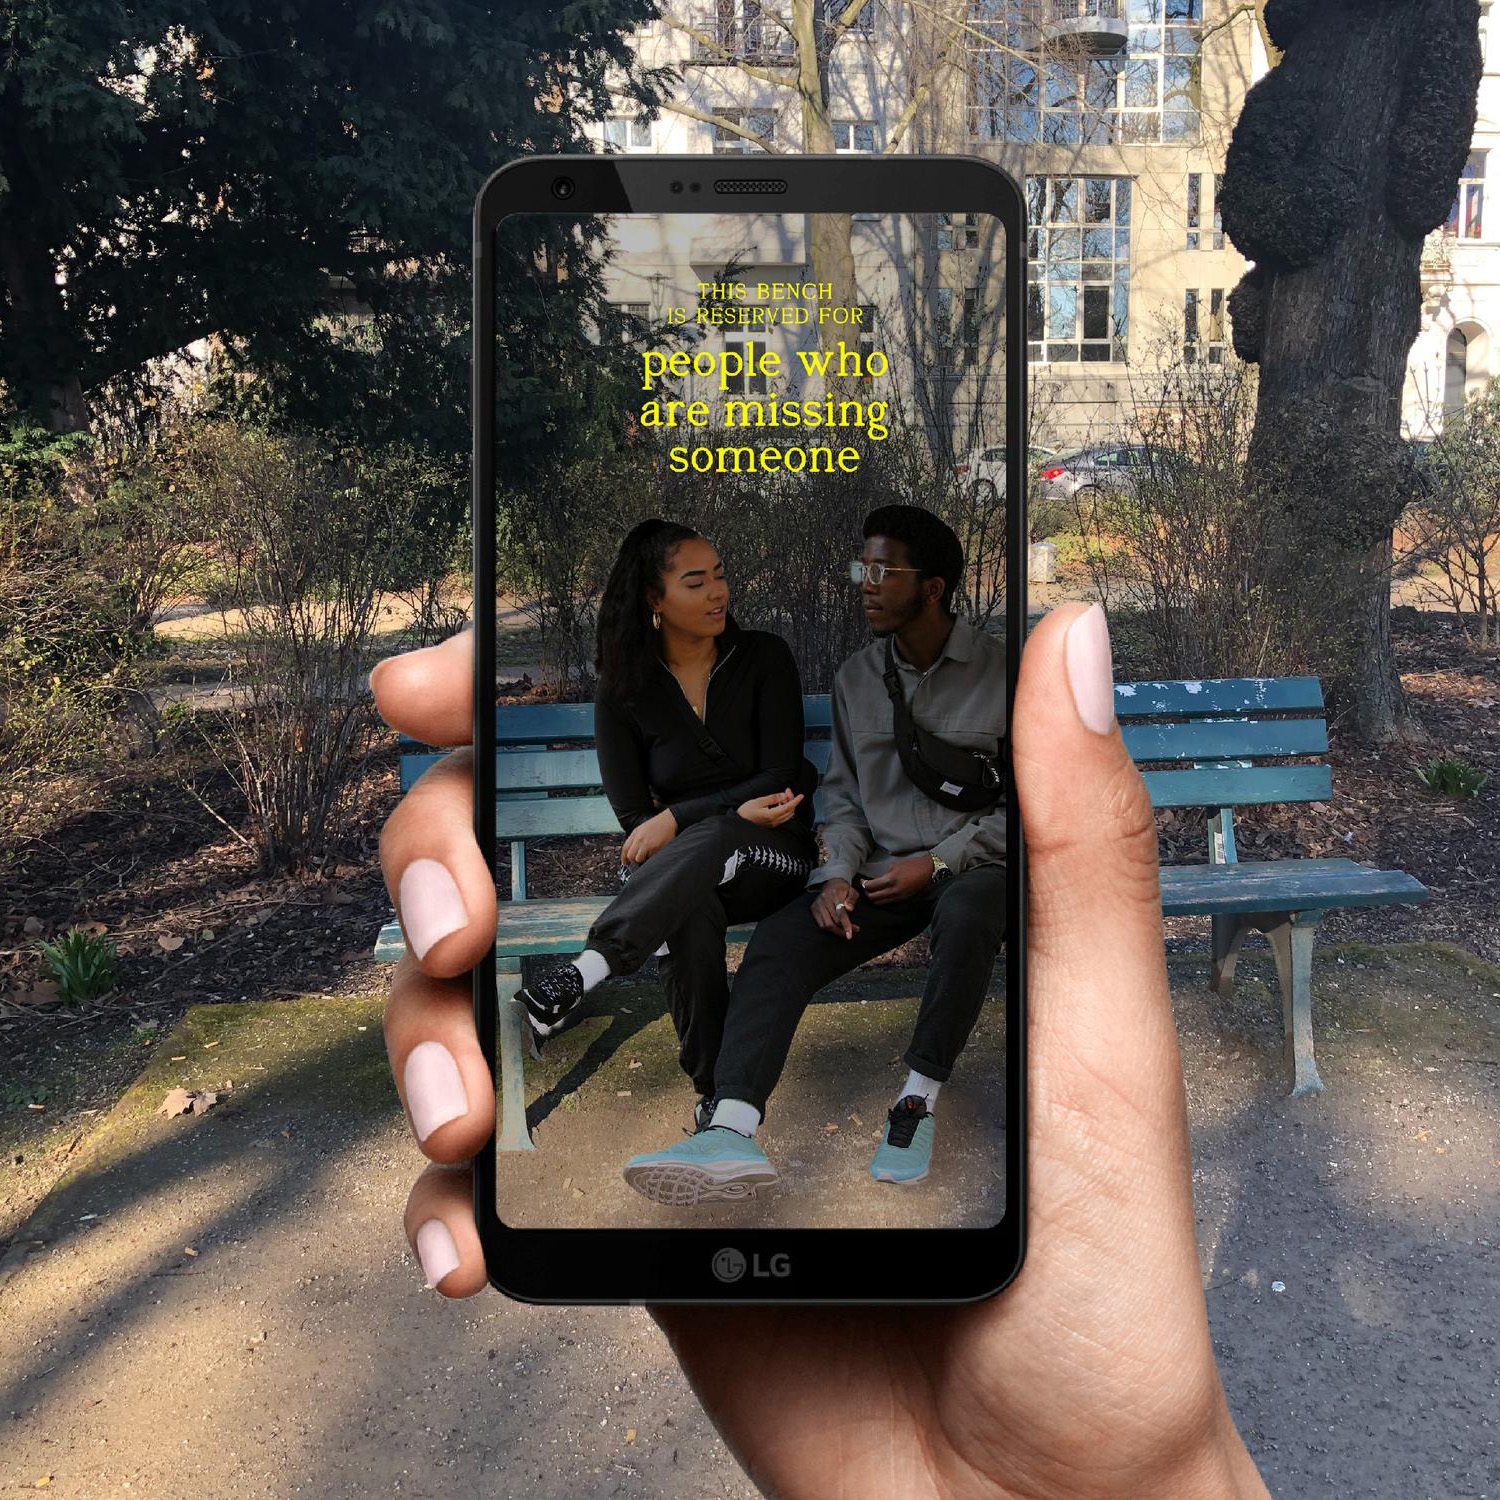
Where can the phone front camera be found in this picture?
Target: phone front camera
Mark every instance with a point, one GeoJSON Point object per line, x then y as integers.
{"type": "Point", "coordinates": [694, 187]}
{"type": "Point", "coordinates": [676, 187]}
{"type": "Point", "coordinates": [563, 187]}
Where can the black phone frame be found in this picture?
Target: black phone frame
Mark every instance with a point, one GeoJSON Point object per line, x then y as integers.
{"type": "Point", "coordinates": [647, 1266]}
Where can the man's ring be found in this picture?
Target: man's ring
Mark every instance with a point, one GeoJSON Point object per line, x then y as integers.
{"type": "Point", "coordinates": [840, 905]}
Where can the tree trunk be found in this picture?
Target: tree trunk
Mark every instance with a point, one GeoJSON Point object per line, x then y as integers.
{"type": "Point", "coordinates": [1344, 156]}
{"type": "Point", "coordinates": [830, 235]}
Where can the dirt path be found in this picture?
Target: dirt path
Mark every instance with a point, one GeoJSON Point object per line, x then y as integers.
{"type": "Point", "coordinates": [1350, 1246]}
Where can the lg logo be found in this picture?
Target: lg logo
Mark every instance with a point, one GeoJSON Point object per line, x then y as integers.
{"type": "Point", "coordinates": [731, 1265]}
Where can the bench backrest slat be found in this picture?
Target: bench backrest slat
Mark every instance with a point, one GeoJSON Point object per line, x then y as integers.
{"type": "Point", "coordinates": [1226, 785]}
{"type": "Point", "coordinates": [1201, 749]}
{"type": "Point", "coordinates": [1219, 695]}
{"type": "Point", "coordinates": [1225, 739]}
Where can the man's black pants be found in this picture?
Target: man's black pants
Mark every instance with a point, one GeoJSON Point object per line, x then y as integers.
{"type": "Point", "coordinates": [790, 958]}
{"type": "Point", "coordinates": [676, 897]}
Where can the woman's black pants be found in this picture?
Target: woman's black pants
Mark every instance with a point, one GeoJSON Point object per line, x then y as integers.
{"type": "Point", "coordinates": [681, 897]}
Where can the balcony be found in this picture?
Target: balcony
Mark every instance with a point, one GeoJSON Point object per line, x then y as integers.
{"type": "Point", "coordinates": [1094, 27]}
{"type": "Point", "coordinates": [1437, 260]}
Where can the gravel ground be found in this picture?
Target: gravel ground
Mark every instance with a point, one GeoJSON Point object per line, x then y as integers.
{"type": "Point", "coordinates": [1348, 1242]}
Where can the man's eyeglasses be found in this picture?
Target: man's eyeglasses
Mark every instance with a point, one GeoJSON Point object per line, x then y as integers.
{"type": "Point", "coordinates": [875, 572]}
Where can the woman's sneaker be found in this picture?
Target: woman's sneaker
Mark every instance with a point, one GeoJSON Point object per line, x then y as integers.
{"type": "Point", "coordinates": [551, 998]}
{"type": "Point", "coordinates": [905, 1151]}
{"type": "Point", "coordinates": [713, 1164]}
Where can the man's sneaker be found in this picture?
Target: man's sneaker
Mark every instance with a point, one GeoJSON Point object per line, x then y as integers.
{"type": "Point", "coordinates": [703, 1112]}
{"type": "Point", "coordinates": [551, 998]}
{"type": "Point", "coordinates": [905, 1150]}
{"type": "Point", "coordinates": [715, 1164]}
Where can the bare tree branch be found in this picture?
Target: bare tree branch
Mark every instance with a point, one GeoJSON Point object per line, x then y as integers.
{"type": "Point", "coordinates": [837, 30]}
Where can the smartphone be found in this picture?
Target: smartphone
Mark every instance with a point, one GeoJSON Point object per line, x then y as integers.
{"type": "Point", "coordinates": [749, 485]}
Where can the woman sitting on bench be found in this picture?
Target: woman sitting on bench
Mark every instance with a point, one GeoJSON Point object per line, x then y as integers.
{"type": "Point", "coordinates": [698, 726]}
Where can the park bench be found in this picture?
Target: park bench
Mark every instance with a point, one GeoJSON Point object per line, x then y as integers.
{"type": "Point", "coordinates": [1199, 744]}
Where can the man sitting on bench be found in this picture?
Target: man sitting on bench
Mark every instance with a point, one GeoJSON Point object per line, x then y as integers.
{"type": "Point", "coordinates": [915, 836]}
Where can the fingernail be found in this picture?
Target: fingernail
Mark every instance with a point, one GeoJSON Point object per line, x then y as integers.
{"type": "Point", "coordinates": [431, 906]}
{"type": "Point", "coordinates": [1090, 674]}
{"type": "Point", "coordinates": [434, 1089]}
{"type": "Point", "coordinates": [436, 1251]}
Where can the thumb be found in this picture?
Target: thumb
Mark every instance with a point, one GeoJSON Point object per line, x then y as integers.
{"type": "Point", "coordinates": [1104, 1048]}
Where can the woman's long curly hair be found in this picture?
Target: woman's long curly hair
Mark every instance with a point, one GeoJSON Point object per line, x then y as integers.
{"type": "Point", "coordinates": [628, 647]}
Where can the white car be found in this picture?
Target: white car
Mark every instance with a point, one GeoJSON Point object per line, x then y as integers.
{"type": "Point", "coordinates": [987, 466]}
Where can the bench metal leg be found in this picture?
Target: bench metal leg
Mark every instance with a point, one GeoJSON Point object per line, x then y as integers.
{"type": "Point", "coordinates": [1228, 934]}
{"type": "Point", "coordinates": [1291, 935]}
{"type": "Point", "coordinates": [510, 1028]}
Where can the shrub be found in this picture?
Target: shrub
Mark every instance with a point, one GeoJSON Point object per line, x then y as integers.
{"type": "Point", "coordinates": [66, 636]}
{"type": "Point", "coordinates": [309, 539]}
{"type": "Point", "coordinates": [82, 964]}
{"type": "Point", "coordinates": [1452, 776]}
{"type": "Point", "coordinates": [1451, 531]}
{"type": "Point", "coordinates": [1185, 542]}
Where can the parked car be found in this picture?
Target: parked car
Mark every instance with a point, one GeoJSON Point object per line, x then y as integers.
{"type": "Point", "coordinates": [1086, 472]}
{"type": "Point", "coordinates": [987, 466]}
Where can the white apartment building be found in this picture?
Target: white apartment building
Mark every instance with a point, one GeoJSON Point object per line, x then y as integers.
{"type": "Point", "coordinates": [1121, 154]}
{"type": "Point", "coordinates": [1457, 353]}
{"type": "Point", "coordinates": [1114, 113]}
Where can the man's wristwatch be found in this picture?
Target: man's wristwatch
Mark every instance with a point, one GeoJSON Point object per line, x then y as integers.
{"type": "Point", "coordinates": [940, 870]}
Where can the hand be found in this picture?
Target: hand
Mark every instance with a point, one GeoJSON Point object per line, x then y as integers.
{"type": "Point", "coordinates": [771, 811]}
{"type": "Point", "coordinates": [646, 838]}
{"type": "Point", "coordinates": [832, 905]}
{"type": "Point", "coordinates": [1094, 1374]}
{"type": "Point", "coordinates": [901, 880]}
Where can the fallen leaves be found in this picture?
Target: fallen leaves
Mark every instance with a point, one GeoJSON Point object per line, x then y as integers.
{"type": "Point", "coordinates": [169, 944]}
{"type": "Point", "coordinates": [187, 1102]}
{"type": "Point", "coordinates": [32, 926]}
{"type": "Point", "coordinates": [43, 992]}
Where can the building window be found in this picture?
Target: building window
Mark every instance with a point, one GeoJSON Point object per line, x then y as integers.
{"type": "Point", "coordinates": [1020, 91]}
{"type": "Point", "coordinates": [1078, 268]}
{"type": "Point", "coordinates": [1467, 218]}
{"type": "Point", "coordinates": [627, 133]}
{"type": "Point", "coordinates": [957, 232]}
{"type": "Point", "coordinates": [1199, 238]}
{"type": "Point", "coordinates": [1203, 338]}
{"type": "Point", "coordinates": [970, 327]}
{"type": "Point", "coordinates": [853, 135]}
{"type": "Point", "coordinates": [761, 123]}
{"type": "Point", "coordinates": [750, 350]}
{"type": "Point", "coordinates": [862, 25]}
{"type": "Point", "coordinates": [866, 329]}
{"type": "Point", "coordinates": [630, 320]}
{"type": "Point", "coordinates": [739, 28]}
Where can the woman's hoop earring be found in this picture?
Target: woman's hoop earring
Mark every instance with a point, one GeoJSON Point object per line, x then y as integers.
{"type": "Point", "coordinates": [655, 620]}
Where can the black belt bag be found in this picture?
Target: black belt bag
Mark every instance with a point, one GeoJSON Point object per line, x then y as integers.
{"type": "Point", "coordinates": [965, 780]}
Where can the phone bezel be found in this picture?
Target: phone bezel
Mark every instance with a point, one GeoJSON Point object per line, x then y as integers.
{"type": "Point", "coordinates": [825, 1266]}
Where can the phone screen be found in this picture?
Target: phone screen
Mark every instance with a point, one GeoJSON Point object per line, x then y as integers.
{"type": "Point", "coordinates": [750, 483]}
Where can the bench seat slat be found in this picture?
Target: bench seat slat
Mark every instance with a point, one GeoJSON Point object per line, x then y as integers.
{"type": "Point", "coordinates": [1282, 885]}
{"type": "Point", "coordinates": [529, 928]}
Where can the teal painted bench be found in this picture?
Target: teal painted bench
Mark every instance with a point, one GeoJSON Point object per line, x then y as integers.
{"type": "Point", "coordinates": [1199, 744]}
